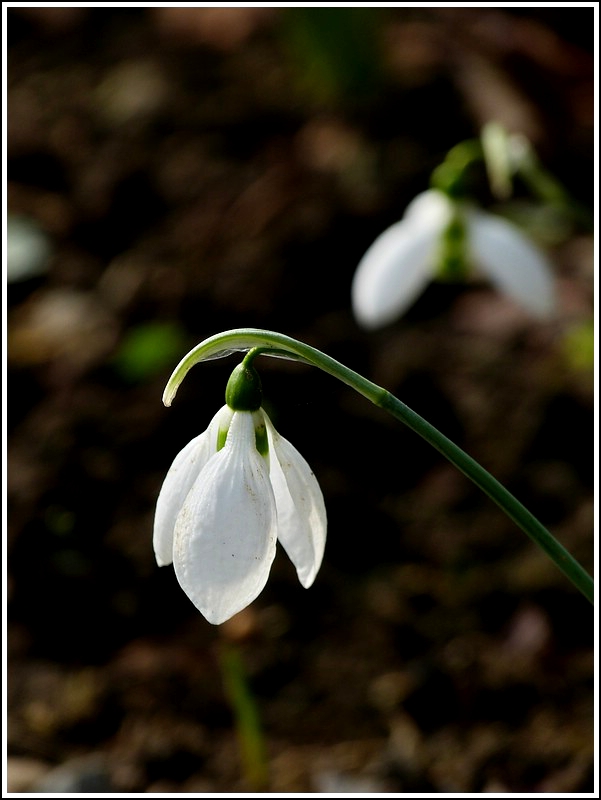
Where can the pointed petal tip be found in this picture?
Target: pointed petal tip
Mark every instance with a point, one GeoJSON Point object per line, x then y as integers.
{"type": "Point", "coordinates": [217, 614]}
{"type": "Point", "coordinates": [215, 617]}
{"type": "Point", "coordinates": [544, 308]}
{"type": "Point", "coordinates": [372, 319]}
{"type": "Point", "coordinates": [301, 512]}
{"type": "Point", "coordinates": [306, 581]}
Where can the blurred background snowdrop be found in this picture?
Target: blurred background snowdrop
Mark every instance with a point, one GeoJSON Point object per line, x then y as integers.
{"type": "Point", "coordinates": [445, 234]}
{"type": "Point", "coordinates": [436, 235]}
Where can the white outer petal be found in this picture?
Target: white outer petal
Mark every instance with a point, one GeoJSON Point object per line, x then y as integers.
{"type": "Point", "coordinates": [400, 262]}
{"type": "Point", "coordinates": [429, 207]}
{"type": "Point", "coordinates": [512, 262]}
{"type": "Point", "coordinates": [179, 479]}
{"type": "Point", "coordinates": [302, 522]}
{"type": "Point", "coordinates": [225, 534]}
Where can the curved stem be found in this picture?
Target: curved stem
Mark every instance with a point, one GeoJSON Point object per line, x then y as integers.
{"type": "Point", "coordinates": [277, 344]}
{"type": "Point", "coordinates": [497, 492]}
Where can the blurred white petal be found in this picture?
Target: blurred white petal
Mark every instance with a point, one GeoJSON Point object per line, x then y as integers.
{"type": "Point", "coordinates": [398, 265]}
{"type": "Point", "coordinates": [225, 534]}
{"type": "Point", "coordinates": [512, 262]}
{"type": "Point", "coordinates": [429, 208]}
{"type": "Point", "coordinates": [301, 511]}
{"type": "Point", "coordinates": [179, 480]}
{"type": "Point", "coordinates": [392, 274]}
{"type": "Point", "coordinates": [28, 249]}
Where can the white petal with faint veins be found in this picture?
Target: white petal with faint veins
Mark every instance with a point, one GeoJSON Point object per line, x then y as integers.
{"type": "Point", "coordinates": [512, 262]}
{"type": "Point", "coordinates": [179, 480]}
{"type": "Point", "coordinates": [302, 521]}
{"type": "Point", "coordinates": [225, 534]}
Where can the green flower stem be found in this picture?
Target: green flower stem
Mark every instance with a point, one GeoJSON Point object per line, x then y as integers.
{"type": "Point", "coordinates": [246, 715]}
{"type": "Point", "coordinates": [275, 344]}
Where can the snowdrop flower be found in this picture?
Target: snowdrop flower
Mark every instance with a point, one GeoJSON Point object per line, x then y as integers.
{"type": "Point", "coordinates": [398, 265]}
{"type": "Point", "coordinates": [230, 494]}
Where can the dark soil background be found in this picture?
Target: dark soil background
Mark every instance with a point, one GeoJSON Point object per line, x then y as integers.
{"type": "Point", "coordinates": [184, 171]}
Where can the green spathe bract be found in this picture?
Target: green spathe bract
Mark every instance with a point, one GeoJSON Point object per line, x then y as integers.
{"type": "Point", "coordinates": [270, 343]}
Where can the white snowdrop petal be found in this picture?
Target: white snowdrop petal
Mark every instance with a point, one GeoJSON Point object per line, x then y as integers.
{"type": "Point", "coordinates": [431, 207]}
{"type": "Point", "coordinates": [225, 534]}
{"type": "Point", "coordinates": [301, 512]}
{"type": "Point", "coordinates": [393, 272]}
{"type": "Point", "coordinates": [400, 262]}
{"type": "Point", "coordinates": [512, 262]}
{"type": "Point", "coordinates": [179, 480]}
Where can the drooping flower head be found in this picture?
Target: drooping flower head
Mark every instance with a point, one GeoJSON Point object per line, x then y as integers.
{"type": "Point", "coordinates": [229, 495]}
{"type": "Point", "coordinates": [238, 476]}
{"type": "Point", "coordinates": [405, 257]}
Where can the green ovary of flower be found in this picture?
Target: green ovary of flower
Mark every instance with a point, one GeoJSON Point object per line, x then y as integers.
{"type": "Point", "coordinates": [243, 391]}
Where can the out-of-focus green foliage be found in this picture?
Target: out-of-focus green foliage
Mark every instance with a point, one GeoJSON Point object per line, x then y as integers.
{"type": "Point", "coordinates": [335, 51]}
{"type": "Point", "coordinates": [147, 349]}
{"type": "Point", "coordinates": [579, 346]}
